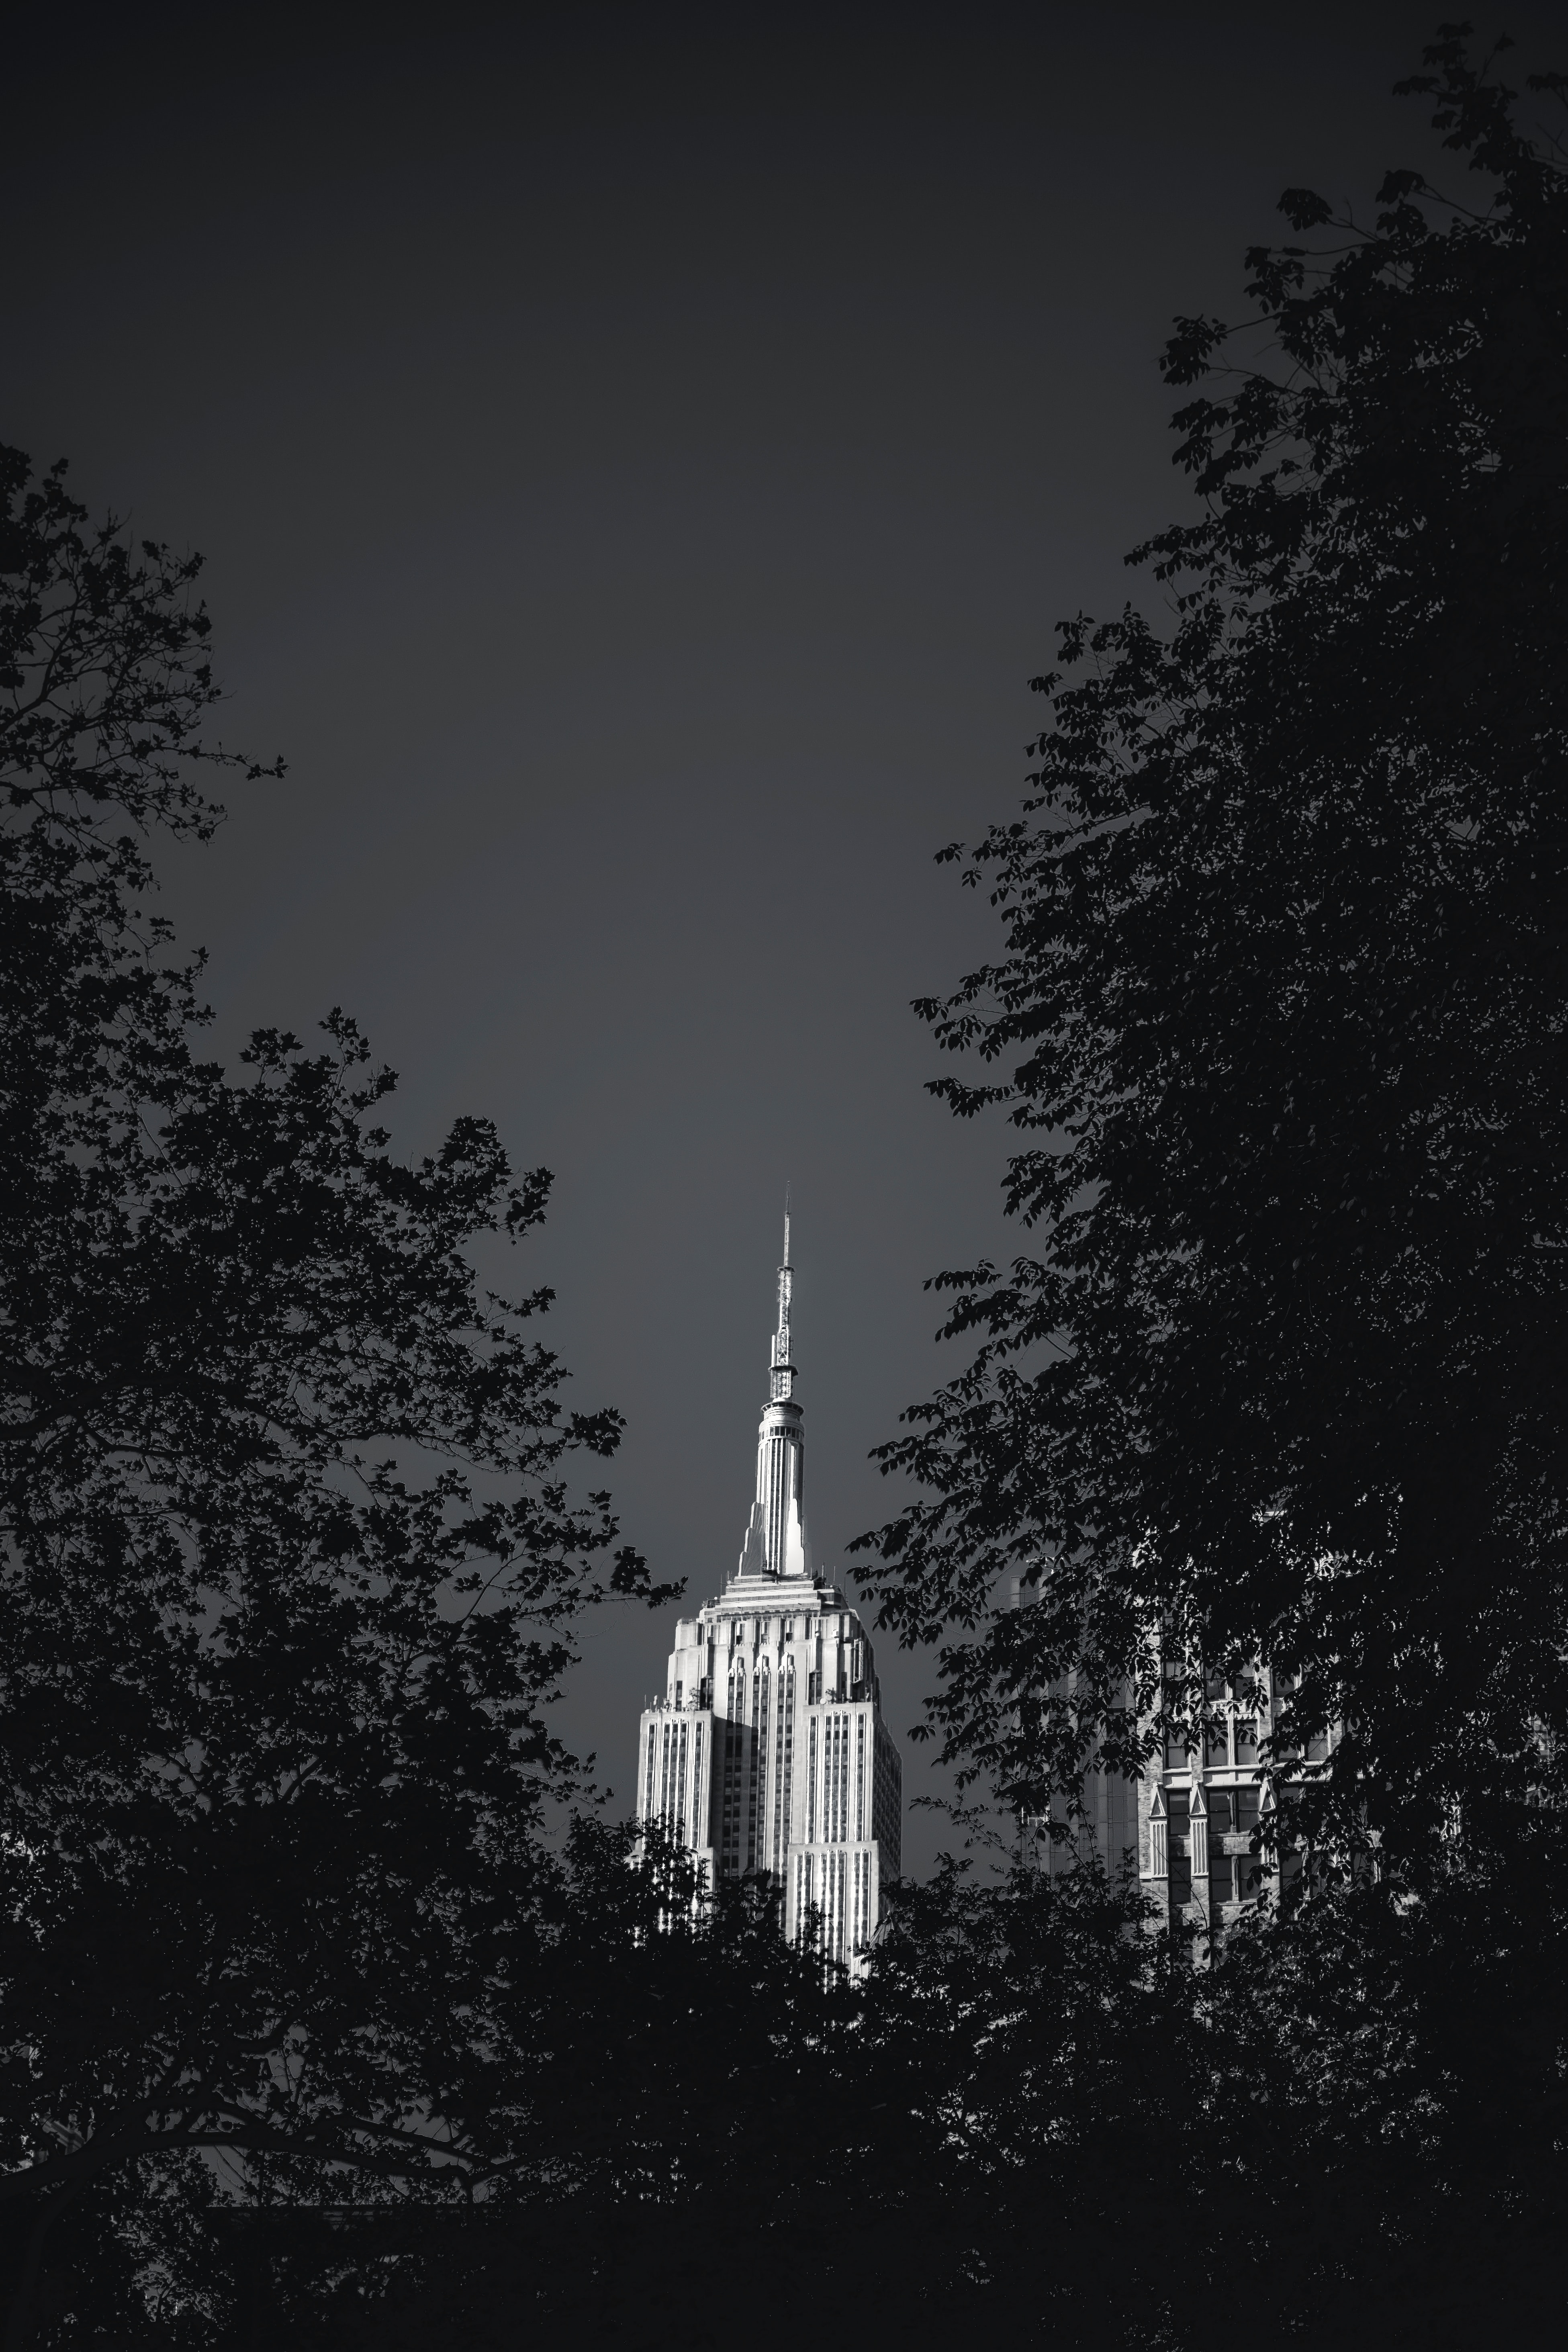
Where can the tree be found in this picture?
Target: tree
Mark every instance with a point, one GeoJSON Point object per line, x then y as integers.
{"type": "Point", "coordinates": [1284, 1006]}
{"type": "Point", "coordinates": [288, 1559]}
{"type": "Point", "coordinates": [1030, 2118]}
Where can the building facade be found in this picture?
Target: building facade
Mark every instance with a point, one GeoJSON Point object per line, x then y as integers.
{"type": "Point", "coordinates": [1203, 1854]}
{"type": "Point", "coordinates": [1195, 1823]}
{"type": "Point", "coordinates": [768, 1751]}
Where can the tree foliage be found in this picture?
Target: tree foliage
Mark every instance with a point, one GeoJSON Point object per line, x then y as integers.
{"type": "Point", "coordinates": [289, 1556]}
{"type": "Point", "coordinates": [1282, 1017]}
{"type": "Point", "coordinates": [1032, 2118]}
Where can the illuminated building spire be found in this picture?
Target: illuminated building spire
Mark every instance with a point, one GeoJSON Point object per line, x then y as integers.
{"type": "Point", "coordinates": [775, 1542]}
{"type": "Point", "coordinates": [783, 1387]}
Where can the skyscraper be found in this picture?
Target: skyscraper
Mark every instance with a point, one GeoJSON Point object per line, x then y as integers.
{"type": "Point", "coordinates": [768, 1751]}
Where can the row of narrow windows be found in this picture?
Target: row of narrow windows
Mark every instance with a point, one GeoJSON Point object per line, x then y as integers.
{"type": "Point", "coordinates": [1188, 1831]}
{"type": "Point", "coordinates": [670, 1751]}
{"type": "Point", "coordinates": [756, 1787]}
{"type": "Point", "coordinates": [1238, 1714]}
{"type": "Point", "coordinates": [771, 1773]}
{"type": "Point", "coordinates": [754, 1629]}
{"type": "Point", "coordinates": [783, 1765]}
{"type": "Point", "coordinates": [840, 1793]}
{"type": "Point", "coordinates": [836, 1887]}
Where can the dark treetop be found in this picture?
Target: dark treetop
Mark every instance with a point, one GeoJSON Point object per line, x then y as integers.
{"type": "Point", "coordinates": [287, 1557]}
{"type": "Point", "coordinates": [1284, 1013]}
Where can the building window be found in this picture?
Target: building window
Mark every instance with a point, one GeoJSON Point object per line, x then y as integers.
{"type": "Point", "coordinates": [1234, 1873]}
{"type": "Point", "coordinates": [811, 1789]}
{"type": "Point", "coordinates": [757, 1811]}
{"type": "Point", "coordinates": [775, 1850]}
{"type": "Point", "coordinates": [1180, 1850]}
{"type": "Point", "coordinates": [786, 1765]}
{"type": "Point", "coordinates": [734, 1766]}
{"type": "Point", "coordinates": [860, 1776]}
{"type": "Point", "coordinates": [862, 1933]}
{"type": "Point", "coordinates": [1222, 1865]}
{"type": "Point", "coordinates": [1198, 1828]}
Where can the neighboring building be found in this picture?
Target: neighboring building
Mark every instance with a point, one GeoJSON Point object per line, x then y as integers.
{"type": "Point", "coordinates": [768, 1751]}
{"type": "Point", "coordinates": [1201, 1811]}
{"type": "Point", "coordinates": [1192, 1821]}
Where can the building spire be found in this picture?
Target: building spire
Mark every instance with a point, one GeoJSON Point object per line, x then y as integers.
{"type": "Point", "coordinates": [775, 1541]}
{"type": "Point", "coordinates": [782, 1384]}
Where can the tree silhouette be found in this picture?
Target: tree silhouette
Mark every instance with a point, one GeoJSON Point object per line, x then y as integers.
{"type": "Point", "coordinates": [290, 1558]}
{"type": "Point", "coordinates": [1283, 1017]}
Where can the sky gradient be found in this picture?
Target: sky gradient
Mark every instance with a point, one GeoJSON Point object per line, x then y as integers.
{"type": "Point", "coordinates": [641, 462]}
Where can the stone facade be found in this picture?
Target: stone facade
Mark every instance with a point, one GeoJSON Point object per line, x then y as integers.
{"type": "Point", "coordinates": [1193, 1823]}
{"type": "Point", "coordinates": [1202, 1855]}
{"type": "Point", "coordinates": [767, 1750]}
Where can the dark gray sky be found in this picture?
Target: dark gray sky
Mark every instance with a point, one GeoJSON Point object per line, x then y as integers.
{"type": "Point", "coordinates": [640, 454]}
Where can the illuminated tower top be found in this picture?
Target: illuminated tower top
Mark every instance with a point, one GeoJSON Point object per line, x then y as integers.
{"type": "Point", "coordinates": [768, 1751]}
{"type": "Point", "coordinates": [782, 1370]}
{"type": "Point", "coordinates": [775, 1544]}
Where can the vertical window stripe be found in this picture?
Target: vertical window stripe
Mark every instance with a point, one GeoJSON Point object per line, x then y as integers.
{"type": "Point", "coordinates": [786, 1777]}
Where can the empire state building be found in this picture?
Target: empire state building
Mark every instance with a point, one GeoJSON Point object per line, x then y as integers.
{"type": "Point", "coordinates": [768, 1751]}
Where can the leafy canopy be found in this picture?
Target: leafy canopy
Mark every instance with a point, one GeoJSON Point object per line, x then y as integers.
{"type": "Point", "coordinates": [289, 1554]}
{"type": "Point", "coordinates": [1281, 1017]}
